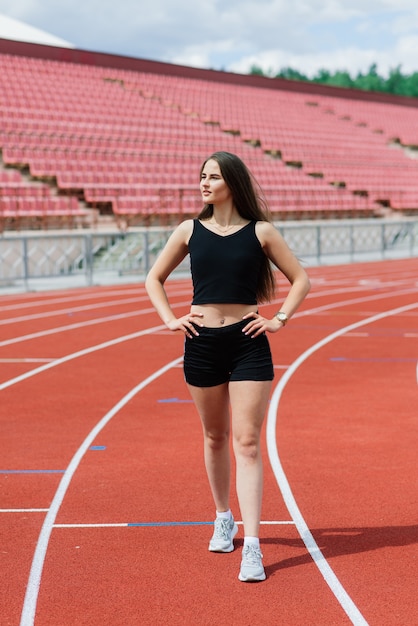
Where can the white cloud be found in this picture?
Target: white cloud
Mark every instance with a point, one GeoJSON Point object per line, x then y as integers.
{"type": "Point", "coordinates": [407, 53]}
{"type": "Point", "coordinates": [352, 60]}
{"type": "Point", "coordinates": [202, 55]}
{"type": "Point", "coordinates": [304, 34]}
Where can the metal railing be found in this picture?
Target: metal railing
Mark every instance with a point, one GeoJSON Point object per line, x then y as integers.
{"type": "Point", "coordinates": [42, 259]}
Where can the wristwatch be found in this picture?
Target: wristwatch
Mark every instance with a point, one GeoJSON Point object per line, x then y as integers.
{"type": "Point", "coordinates": [282, 317]}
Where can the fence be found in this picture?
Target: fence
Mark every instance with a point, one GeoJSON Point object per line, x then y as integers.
{"type": "Point", "coordinates": [41, 260]}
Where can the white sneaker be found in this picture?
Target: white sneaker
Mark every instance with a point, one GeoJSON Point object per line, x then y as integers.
{"type": "Point", "coordinates": [252, 569]}
{"type": "Point", "coordinates": [223, 535]}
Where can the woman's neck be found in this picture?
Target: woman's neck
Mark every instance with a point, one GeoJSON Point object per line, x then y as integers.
{"type": "Point", "coordinates": [225, 217]}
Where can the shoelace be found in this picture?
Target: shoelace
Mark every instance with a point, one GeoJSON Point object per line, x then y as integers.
{"type": "Point", "coordinates": [222, 528]}
{"type": "Point", "coordinates": [252, 555]}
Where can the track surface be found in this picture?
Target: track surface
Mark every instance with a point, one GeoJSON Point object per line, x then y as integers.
{"type": "Point", "coordinates": [105, 510]}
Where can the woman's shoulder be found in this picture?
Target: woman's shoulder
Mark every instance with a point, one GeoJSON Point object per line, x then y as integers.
{"type": "Point", "coordinates": [186, 225]}
{"type": "Point", "coordinates": [268, 235]}
{"type": "Point", "coordinates": [184, 230]}
{"type": "Point", "coordinates": [264, 228]}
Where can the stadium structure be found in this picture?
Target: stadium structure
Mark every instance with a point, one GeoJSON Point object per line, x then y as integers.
{"type": "Point", "coordinates": [89, 138]}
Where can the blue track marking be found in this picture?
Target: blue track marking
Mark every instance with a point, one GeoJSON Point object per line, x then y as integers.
{"type": "Point", "coordinates": [97, 448]}
{"type": "Point", "coordinates": [174, 401]}
{"type": "Point", "coordinates": [328, 574]}
{"type": "Point", "coordinates": [32, 588]}
{"type": "Point", "coordinates": [169, 523]}
{"type": "Point", "coordinates": [163, 524]}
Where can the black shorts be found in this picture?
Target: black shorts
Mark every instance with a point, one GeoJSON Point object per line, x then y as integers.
{"type": "Point", "coordinates": [219, 355]}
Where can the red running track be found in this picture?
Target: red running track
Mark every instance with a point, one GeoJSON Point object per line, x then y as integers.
{"type": "Point", "coordinates": [105, 510]}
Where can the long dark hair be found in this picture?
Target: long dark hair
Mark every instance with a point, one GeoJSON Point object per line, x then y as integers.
{"type": "Point", "coordinates": [249, 201]}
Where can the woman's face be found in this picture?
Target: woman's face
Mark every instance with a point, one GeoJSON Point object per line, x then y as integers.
{"type": "Point", "coordinates": [213, 188]}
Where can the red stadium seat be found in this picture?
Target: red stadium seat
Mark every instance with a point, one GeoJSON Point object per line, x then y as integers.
{"type": "Point", "coordinates": [134, 144]}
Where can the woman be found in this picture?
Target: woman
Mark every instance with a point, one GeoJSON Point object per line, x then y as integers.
{"type": "Point", "coordinates": [227, 361]}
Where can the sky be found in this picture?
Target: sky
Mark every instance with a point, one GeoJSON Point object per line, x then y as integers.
{"type": "Point", "coordinates": [234, 35]}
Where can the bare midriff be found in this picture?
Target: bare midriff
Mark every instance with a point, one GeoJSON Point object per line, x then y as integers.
{"type": "Point", "coordinates": [218, 315]}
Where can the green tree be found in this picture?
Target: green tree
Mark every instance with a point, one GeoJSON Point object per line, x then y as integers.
{"type": "Point", "coordinates": [371, 81]}
{"type": "Point", "coordinates": [291, 74]}
{"type": "Point", "coordinates": [323, 77]}
{"type": "Point", "coordinates": [256, 70]}
{"type": "Point", "coordinates": [341, 79]}
{"type": "Point", "coordinates": [409, 85]}
{"type": "Point", "coordinates": [396, 83]}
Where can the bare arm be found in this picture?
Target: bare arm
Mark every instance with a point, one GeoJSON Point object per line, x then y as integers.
{"type": "Point", "coordinates": [171, 256]}
{"type": "Point", "coordinates": [283, 258]}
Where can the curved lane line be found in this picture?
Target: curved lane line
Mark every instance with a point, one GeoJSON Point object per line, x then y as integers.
{"type": "Point", "coordinates": [331, 579]}
{"type": "Point", "coordinates": [32, 590]}
{"type": "Point", "coordinates": [157, 328]}
{"type": "Point", "coordinates": [79, 309]}
{"type": "Point", "coordinates": [359, 300]}
{"type": "Point", "coordinates": [75, 326]}
{"type": "Point", "coordinates": [100, 320]}
{"type": "Point", "coordinates": [76, 355]}
{"type": "Point", "coordinates": [42, 302]}
{"type": "Point", "coordinates": [71, 310]}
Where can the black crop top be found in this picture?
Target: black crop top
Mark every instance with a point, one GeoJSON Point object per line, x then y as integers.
{"type": "Point", "coordinates": [225, 269]}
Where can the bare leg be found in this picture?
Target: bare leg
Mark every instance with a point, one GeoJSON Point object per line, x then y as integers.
{"type": "Point", "coordinates": [212, 404]}
{"type": "Point", "coordinates": [249, 401]}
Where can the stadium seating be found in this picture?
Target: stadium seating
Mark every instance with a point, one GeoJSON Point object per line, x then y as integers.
{"type": "Point", "coordinates": [35, 205]}
{"type": "Point", "coordinates": [78, 141]}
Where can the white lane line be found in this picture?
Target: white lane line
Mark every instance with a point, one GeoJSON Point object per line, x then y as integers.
{"type": "Point", "coordinates": [28, 360]}
{"type": "Point", "coordinates": [75, 326]}
{"type": "Point", "coordinates": [341, 303]}
{"type": "Point", "coordinates": [85, 295]}
{"type": "Point", "coordinates": [330, 578]}
{"type": "Point", "coordinates": [138, 291]}
{"type": "Point", "coordinates": [100, 320]}
{"type": "Point", "coordinates": [23, 510]}
{"type": "Point", "coordinates": [93, 322]}
{"type": "Point", "coordinates": [72, 310]}
{"type": "Point", "coordinates": [80, 309]}
{"type": "Point", "coordinates": [76, 355]}
{"type": "Point", "coordinates": [102, 346]}
{"type": "Point", "coordinates": [111, 342]}
{"type": "Point", "coordinates": [32, 590]}
{"type": "Point", "coordinates": [42, 298]}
